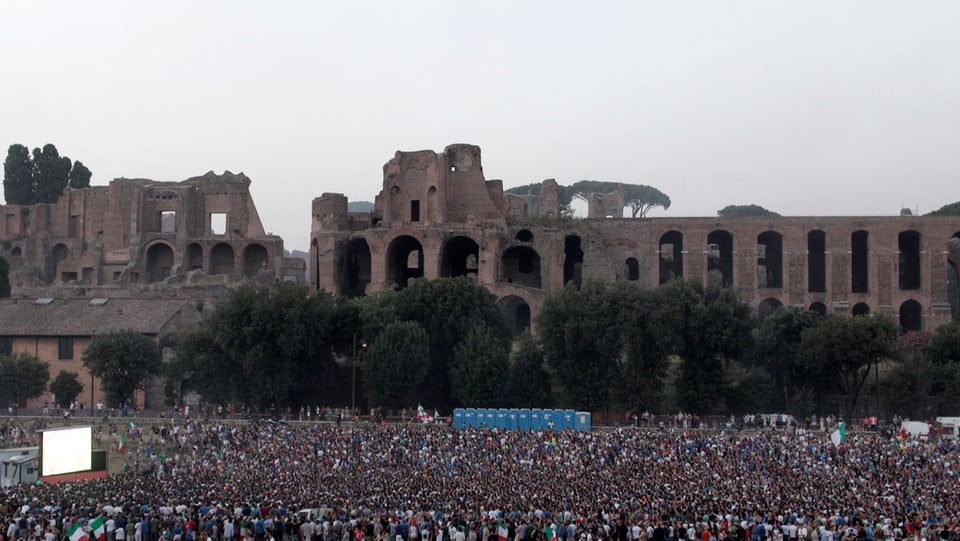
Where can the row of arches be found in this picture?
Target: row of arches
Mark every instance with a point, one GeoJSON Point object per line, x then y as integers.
{"type": "Point", "coordinates": [221, 259]}
{"type": "Point", "coordinates": [910, 312]}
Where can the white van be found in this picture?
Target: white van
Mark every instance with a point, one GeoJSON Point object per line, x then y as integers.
{"type": "Point", "coordinates": [917, 429]}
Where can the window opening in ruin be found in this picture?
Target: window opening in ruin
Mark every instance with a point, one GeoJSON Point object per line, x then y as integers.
{"type": "Point", "coordinates": [290, 279]}
{"type": "Point", "coordinates": [159, 262]}
{"type": "Point", "coordinates": [767, 307]}
{"type": "Point", "coordinates": [353, 274]}
{"type": "Point", "coordinates": [221, 259]}
{"type": "Point", "coordinates": [194, 256]}
{"type": "Point", "coordinates": [415, 210]}
{"type": "Point", "coordinates": [255, 260]}
{"type": "Point", "coordinates": [16, 252]}
{"type": "Point", "coordinates": [68, 276]}
{"type": "Point", "coordinates": [633, 269]}
{"type": "Point", "coordinates": [817, 262]}
{"type": "Point", "coordinates": [859, 280]}
{"type": "Point", "coordinates": [524, 235]}
{"type": "Point", "coordinates": [459, 257]}
{"type": "Point", "coordinates": [671, 256]}
{"type": "Point", "coordinates": [65, 348]}
{"type": "Point", "coordinates": [573, 261]}
{"type": "Point", "coordinates": [218, 223]}
{"type": "Point", "coordinates": [770, 260]}
{"type": "Point", "coordinates": [819, 308]}
{"type": "Point", "coordinates": [87, 273]}
{"type": "Point", "coordinates": [404, 260]}
{"type": "Point", "coordinates": [861, 309]}
{"type": "Point", "coordinates": [911, 316]}
{"type": "Point", "coordinates": [909, 261]}
{"type": "Point", "coordinates": [720, 259]}
{"type": "Point", "coordinates": [517, 313]}
{"type": "Point", "coordinates": [116, 276]}
{"type": "Point", "coordinates": [168, 221]}
{"type": "Point", "coordinates": [6, 345]}
{"type": "Point", "coordinates": [73, 226]}
{"type": "Point", "coordinates": [520, 265]}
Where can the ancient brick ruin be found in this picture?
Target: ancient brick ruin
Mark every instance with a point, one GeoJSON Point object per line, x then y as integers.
{"type": "Point", "coordinates": [437, 216]}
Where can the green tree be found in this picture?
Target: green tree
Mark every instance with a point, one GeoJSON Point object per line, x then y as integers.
{"type": "Point", "coordinates": [23, 376]}
{"type": "Point", "coordinates": [51, 173]}
{"type": "Point", "coordinates": [4, 278]}
{"type": "Point", "coordinates": [79, 176]}
{"type": "Point", "coordinates": [201, 365]}
{"type": "Point", "coordinates": [529, 382]}
{"type": "Point", "coordinates": [641, 199]}
{"type": "Point", "coordinates": [647, 341]}
{"type": "Point", "coordinates": [847, 348]}
{"type": "Point", "coordinates": [944, 346]}
{"type": "Point", "coordinates": [480, 368]}
{"type": "Point", "coordinates": [397, 363]}
{"type": "Point", "coordinates": [744, 211]}
{"type": "Point", "coordinates": [66, 387]}
{"type": "Point", "coordinates": [747, 388]}
{"type": "Point", "coordinates": [122, 360]}
{"type": "Point", "coordinates": [40, 177]}
{"type": "Point", "coordinates": [953, 209]}
{"type": "Point", "coordinates": [18, 177]}
{"type": "Point", "coordinates": [777, 347]}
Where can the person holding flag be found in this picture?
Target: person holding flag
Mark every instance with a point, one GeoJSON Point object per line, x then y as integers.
{"type": "Point", "coordinates": [98, 531]}
{"type": "Point", "coordinates": [423, 416]}
{"type": "Point", "coordinates": [76, 532]}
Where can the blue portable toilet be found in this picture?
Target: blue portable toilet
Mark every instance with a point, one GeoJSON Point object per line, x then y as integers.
{"type": "Point", "coordinates": [481, 417]}
{"type": "Point", "coordinates": [569, 419]}
{"type": "Point", "coordinates": [491, 419]}
{"type": "Point", "coordinates": [546, 422]}
{"type": "Point", "coordinates": [513, 419]}
{"type": "Point", "coordinates": [536, 419]}
{"type": "Point", "coordinates": [582, 423]}
{"type": "Point", "coordinates": [458, 422]}
{"type": "Point", "coordinates": [523, 420]}
{"type": "Point", "coordinates": [502, 422]}
{"type": "Point", "coordinates": [470, 418]}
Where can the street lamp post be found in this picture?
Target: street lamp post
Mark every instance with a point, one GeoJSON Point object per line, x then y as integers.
{"type": "Point", "coordinates": [353, 378]}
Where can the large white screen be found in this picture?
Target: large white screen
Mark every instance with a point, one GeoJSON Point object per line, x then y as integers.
{"type": "Point", "coordinates": [65, 450]}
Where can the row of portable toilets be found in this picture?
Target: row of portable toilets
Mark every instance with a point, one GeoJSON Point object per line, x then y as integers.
{"type": "Point", "coordinates": [521, 419]}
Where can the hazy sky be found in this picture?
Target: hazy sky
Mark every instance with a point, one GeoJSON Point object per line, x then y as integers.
{"type": "Point", "coordinates": [806, 108]}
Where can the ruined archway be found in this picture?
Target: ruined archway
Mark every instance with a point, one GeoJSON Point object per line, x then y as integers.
{"type": "Point", "coordinates": [572, 261]}
{"type": "Point", "coordinates": [59, 254]}
{"type": "Point", "coordinates": [221, 259]}
{"type": "Point", "coordinates": [908, 268]}
{"type": "Point", "coordinates": [816, 262]}
{"type": "Point", "coordinates": [770, 260]}
{"type": "Point", "coordinates": [255, 258]}
{"type": "Point", "coordinates": [720, 259]}
{"type": "Point", "coordinates": [194, 256]}
{"type": "Point", "coordinates": [354, 269]}
{"type": "Point", "coordinates": [524, 235]}
{"type": "Point", "coordinates": [16, 252]}
{"type": "Point", "coordinates": [768, 306]}
{"type": "Point", "coordinates": [671, 256]}
{"type": "Point", "coordinates": [159, 262]}
{"type": "Point", "coordinates": [520, 265]}
{"type": "Point", "coordinates": [517, 313]}
{"type": "Point", "coordinates": [911, 316]}
{"type": "Point", "coordinates": [404, 260]}
{"type": "Point", "coordinates": [859, 262]}
{"type": "Point", "coordinates": [459, 257]}
{"type": "Point", "coordinates": [819, 308]}
{"type": "Point", "coordinates": [633, 269]}
{"type": "Point", "coordinates": [861, 309]}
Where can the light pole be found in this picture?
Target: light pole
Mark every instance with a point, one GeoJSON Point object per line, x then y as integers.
{"type": "Point", "coordinates": [353, 378]}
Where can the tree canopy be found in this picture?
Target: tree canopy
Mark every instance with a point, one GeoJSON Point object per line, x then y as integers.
{"type": "Point", "coordinates": [23, 377]}
{"type": "Point", "coordinates": [122, 360]}
{"type": "Point", "coordinates": [66, 387]}
{"type": "Point", "coordinates": [953, 209]}
{"type": "Point", "coordinates": [744, 211]}
{"type": "Point", "coordinates": [40, 177]}
{"type": "Point", "coordinates": [639, 197]}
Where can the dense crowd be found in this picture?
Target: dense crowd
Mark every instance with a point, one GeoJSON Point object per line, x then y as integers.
{"type": "Point", "coordinates": [410, 482]}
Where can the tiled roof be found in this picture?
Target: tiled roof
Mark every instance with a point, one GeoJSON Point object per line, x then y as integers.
{"type": "Point", "coordinates": [81, 317]}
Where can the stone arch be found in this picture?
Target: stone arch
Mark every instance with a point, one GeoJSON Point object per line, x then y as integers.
{"type": "Point", "coordinates": [221, 258]}
{"type": "Point", "coordinates": [524, 235]}
{"type": "Point", "coordinates": [520, 265]}
{"type": "Point", "coordinates": [516, 311]}
{"type": "Point", "coordinates": [16, 252]}
{"type": "Point", "coordinates": [859, 262]}
{"type": "Point", "coordinates": [908, 268]}
{"type": "Point", "coordinates": [768, 306]}
{"type": "Point", "coordinates": [633, 269]}
{"type": "Point", "coordinates": [194, 256]}
{"type": "Point", "coordinates": [911, 316]}
{"type": "Point", "coordinates": [459, 257]}
{"type": "Point", "coordinates": [720, 258]}
{"type": "Point", "coordinates": [60, 253]}
{"type": "Point", "coordinates": [255, 259]}
{"type": "Point", "coordinates": [159, 262]}
{"type": "Point", "coordinates": [404, 260]}
{"type": "Point", "coordinates": [816, 261]}
{"type": "Point", "coordinates": [770, 260]}
{"type": "Point", "coordinates": [573, 260]}
{"type": "Point", "coordinates": [861, 309]}
{"type": "Point", "coordinates": [354, 273]}
{"type": "Point", "coordinates": [671, 256]}
{"type": "Point", "coordinates": [819, 308]}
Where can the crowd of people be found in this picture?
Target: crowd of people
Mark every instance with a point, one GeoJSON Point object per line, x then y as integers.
{"type": "Point", "coordinates": [213, 481]}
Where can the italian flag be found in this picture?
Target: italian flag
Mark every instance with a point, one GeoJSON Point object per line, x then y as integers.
{"type": "Point", "coordinates": [501, 531]}
{"type": "Point", "coordinates": [549, 533]}
{"type": "Point", "coordinates": [123, 442]}
{"type": "Point", "coordinates": [839, 435]}
{"type": "Point", "coordinates": [76, 532]}
{"type": "Point", "coordinates": [97, 530]}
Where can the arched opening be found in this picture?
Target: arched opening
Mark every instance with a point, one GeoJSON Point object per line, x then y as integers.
{"type": "Point", "coordinates": [524, 235]}
{"type": "Point", "coordinates": [16, 252]}
{"type": "Point", "coordinates": [720, 259]}
{"type": "Point", "coordinates": [520, 265]}
{"type": "Point", "coordinates": [404, 260]}
{"type": "Point", "coordinates": [816, 262]}
{"type": "Point", "coordinates": [671, 256]}
{"type": "Point", "coordinates": [861, 309]}
{"type": "Point", "coordinates": [255, 259]}
{"type": "Point", "coordinates": [459, 257]}
{"type": "Point", "coordinates": [770, 260]}
{"type": "Point", "coordinates": [159, 262]}
{"type": "Point", "coordinates": [194, 256]}
{"type": "Point", "coordinates": [819, 308]}
{"type": "Point", "coordinates": [911, 316]}
{"type": "Point", "coordinates": [859, 262]}
{"type": "Point", "coordinates": [221, 259]}
{"type": "Point", "coordinates": [908, 243]}
{"type": "Point", "coordinates": [767, 307]}
{"type": "Point", "coordinates": [433, 208]}
{"type": "Point", "coordinates": [517, 313]}
{"type": "Point", "coordinates": [572, 261]}
{"type": "Point", "coordinates": [354, 273]}
{"type": "Point", "coordinates": [633, 269]}
{"type": "Point", "coordinates": [60, 254]}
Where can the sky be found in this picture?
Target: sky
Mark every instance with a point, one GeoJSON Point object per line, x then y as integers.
{"type": "Point", "coordinates": [805, 108]}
